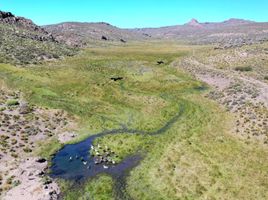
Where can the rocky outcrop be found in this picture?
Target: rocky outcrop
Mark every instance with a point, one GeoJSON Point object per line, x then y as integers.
{"type": "Point", "coordinates": [9, 18]}
{"type": "Point", "coordinates": [24, 42]}
{"type": "Point", "coordinates": [4, 15]}
{"type": "Point", "coordinates": [194, 23]}
{"type": "Point", "coordinates": [23, 23]}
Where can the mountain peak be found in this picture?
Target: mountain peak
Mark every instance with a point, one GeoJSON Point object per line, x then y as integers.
{"type": "Point", "coordinates": [194, 22]}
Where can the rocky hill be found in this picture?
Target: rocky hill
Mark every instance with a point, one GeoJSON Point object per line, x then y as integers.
{"type": "Point", "coordinates": [81, 34]}
{"type": "Point", "coordinates": [23, 42]}
{"type": "Point", "coordinates": [230, 33]}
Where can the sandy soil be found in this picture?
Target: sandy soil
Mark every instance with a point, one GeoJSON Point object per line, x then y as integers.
{"type": "Point", "coordinates": [66, 136]}
{"type": "Point", "coordinates": [32, 185]}
{"type": "Point", "coordinates": [22, 128]}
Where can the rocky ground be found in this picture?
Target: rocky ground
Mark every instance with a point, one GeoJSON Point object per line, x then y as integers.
{"type": "Point", "coordinates": [244, 96]}
{"type": "Point", "coordinates": [23, 42]}
{"type": "Point", "coordinates": [22, 127]}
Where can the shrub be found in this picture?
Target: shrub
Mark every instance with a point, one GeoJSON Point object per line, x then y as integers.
{"type": "Point", "coordinates": [14, 141]}
{"type": "Point", "coordinates": [266, 78]}
{"type": "Point", "coordinates": [10, 180]}
{"type": "Point", "coordinates": [16, 183]}
{"type": "Point", "coordinates": [12, 102]}
{"type": "Point", "coordinates": [27, 150]}
{"type": "Point", "coordinates": [244, 69]}
{"type": "Point", "coordinates": [14, 155]}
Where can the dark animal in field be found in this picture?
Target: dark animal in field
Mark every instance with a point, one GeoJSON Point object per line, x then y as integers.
{"type": "Point", "coordinates": [122, 40]}
{"type": "Point", "coordinates": [104, 38]}
{"type": "Point", "coordinates": [160, 62]}
{"type": "Point", "coordinates": [117, 78]}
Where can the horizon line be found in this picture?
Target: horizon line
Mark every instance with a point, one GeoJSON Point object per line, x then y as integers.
{"type": "Point", "coordinates": [137, 27]}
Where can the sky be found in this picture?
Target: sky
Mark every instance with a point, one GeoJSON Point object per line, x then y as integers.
{"type": "Point", "coordinates": [136, 13]}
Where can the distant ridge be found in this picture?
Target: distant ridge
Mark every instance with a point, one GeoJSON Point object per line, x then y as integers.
{"type": "Point", "coordinates": [81, 34]}
{"type": "Point", "coordinates": [232, 21]}
{"type": "Point", "coordinates": [235, 21]}
{"type": "Point", "coordinates": [230, 33]}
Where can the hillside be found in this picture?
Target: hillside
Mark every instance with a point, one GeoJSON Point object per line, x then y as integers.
{"type": "Point", "coordinates": [81, 34]}
{"type": "Point", "coordinates": [23, 42]}
{"type": "Point", "coordinates": [230, 33]}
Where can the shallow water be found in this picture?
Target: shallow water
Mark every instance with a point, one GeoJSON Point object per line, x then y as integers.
{"type": "Point", "coordinates": [81, 165]}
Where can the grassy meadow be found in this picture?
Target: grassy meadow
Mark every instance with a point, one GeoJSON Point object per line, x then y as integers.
{"type": "Point", "coordinates": [196, 158]}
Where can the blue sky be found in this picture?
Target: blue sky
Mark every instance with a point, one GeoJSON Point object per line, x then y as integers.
{"type": "Point", "coordinates": [136, 13]}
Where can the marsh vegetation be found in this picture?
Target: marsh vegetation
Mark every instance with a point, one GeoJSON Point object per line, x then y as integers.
{"type": "Point", "coordinates": [195, 157]}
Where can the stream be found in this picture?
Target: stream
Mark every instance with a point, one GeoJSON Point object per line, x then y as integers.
{"type": "Point", "coordinates": [81, 166]}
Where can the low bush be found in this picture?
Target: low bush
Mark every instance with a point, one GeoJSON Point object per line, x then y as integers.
{"type": "Point", "coordinates": [244, 69]}
{"type": "Point", "coordinates": [12, 102]}
{"type": "Point", "coordinates": [27, 150]}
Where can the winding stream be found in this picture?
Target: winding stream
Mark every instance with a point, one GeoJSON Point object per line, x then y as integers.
{"type": "Point", "coordinates": [82, 166]}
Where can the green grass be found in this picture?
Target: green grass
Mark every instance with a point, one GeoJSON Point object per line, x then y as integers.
{"type": "Point", "coordinates": [12, 102]}
{"type": "Point", "coordinates": [100, 187]}
{"type": "Point", "coordinates": [48, 147]}
{"type": "Point", "coordinates": [197, 158]}
{"type": "Point", "coordinates": [82, 86]}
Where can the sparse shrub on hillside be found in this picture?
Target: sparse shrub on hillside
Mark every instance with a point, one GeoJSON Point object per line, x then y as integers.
{"type": "Point", "coordinates": [21, 46]}
{"type": "Point", "coordinates": [244, 69]}
{"type": "Point", "coordinates": [266, 78]}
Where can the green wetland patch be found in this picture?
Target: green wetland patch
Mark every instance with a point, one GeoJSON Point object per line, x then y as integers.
{"type": "Point", "coordinates": [195, 158]}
